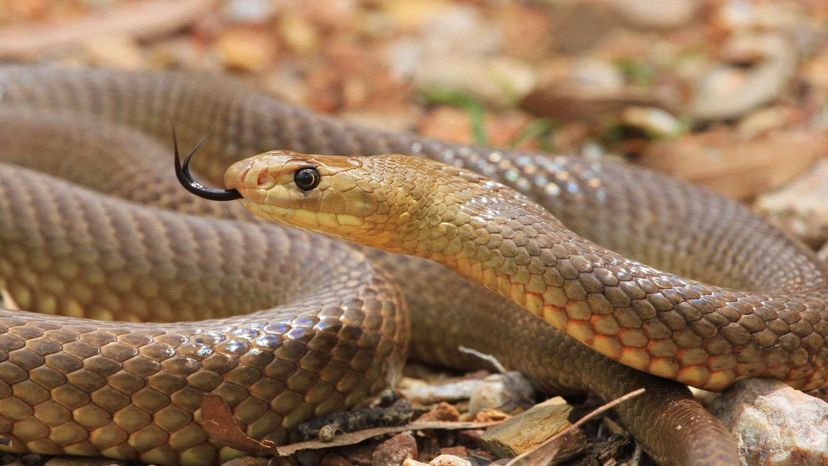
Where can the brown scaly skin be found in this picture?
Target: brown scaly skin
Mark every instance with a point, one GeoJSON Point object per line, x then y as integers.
{"type": "Point", "coordinates": [641, 214]}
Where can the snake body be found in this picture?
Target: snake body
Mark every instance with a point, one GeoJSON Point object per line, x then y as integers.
{"type": "Point", "coordinates": [340, 331]}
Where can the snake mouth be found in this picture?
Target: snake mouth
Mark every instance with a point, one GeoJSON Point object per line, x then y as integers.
{"type": "Point", "coordinates": [182, 173]}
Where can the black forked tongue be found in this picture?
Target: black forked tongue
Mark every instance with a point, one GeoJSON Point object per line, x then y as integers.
{"type": "Point", "coordinates": [182, 172]}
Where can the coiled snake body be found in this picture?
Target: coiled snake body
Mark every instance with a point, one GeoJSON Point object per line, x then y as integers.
{"type": "Point", "coordinates": [340, 330]}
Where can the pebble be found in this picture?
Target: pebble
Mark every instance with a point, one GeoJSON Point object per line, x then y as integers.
{"type": "Point", "coordinates": [395, 450]}
{"type": "Point", "coordinates": [654, 121]}
{"type": "Point", "coordinates": [444, 460]}
{"type": "Point", "coordinates": [774, 424]}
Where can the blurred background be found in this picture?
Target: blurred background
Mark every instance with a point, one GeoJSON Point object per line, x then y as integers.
{"type": "Point", "coordinates": [731, 94]}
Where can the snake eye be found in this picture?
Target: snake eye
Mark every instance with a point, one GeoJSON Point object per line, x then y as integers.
{"type": "Point", "coordinates": [306, 178]}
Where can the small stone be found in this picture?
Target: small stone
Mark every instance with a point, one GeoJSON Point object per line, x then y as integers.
{"type": "Point", "coordinates": [441, 412]}
{"type": "Point", "coordinates": [449, 460]}
{"type": "Point", "coordinates": [532, 428]}
{"type": "Point", "coordinates": [654, 121]}
{"type": "Point", "coordinates": [800, 207]}
{"type": "Point", "coordinates": [774, 424]}
{"type": "Point", "coordinates": [395, 450]}
{"type": "Point", "coordinates": [456, 451]}
{"type": "Point", "coordinates": [410, 462]}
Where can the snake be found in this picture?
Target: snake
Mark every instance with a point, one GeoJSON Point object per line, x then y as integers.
{"type": "Point", "coordinates": [139, 298]}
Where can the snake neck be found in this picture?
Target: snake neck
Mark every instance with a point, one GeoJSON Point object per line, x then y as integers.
{"type": "Point", "coordinates": [653, 321]}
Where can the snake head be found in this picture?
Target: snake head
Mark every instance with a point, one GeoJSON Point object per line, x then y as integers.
{"type": "Point", "coordinates": [399, 203]}
{"type": "Point", "coordinates": [337, 195]}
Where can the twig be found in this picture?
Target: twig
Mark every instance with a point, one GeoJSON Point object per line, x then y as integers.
{"type": "Point", "coordinates": [486, 357]}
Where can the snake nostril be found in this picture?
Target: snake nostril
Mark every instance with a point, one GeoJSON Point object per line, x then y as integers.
{"type": "Point", "coordinates": [264, 180]}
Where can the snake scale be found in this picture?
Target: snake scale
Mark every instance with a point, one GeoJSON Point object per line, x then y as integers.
{"type": "Point", "coordinates": [104, 243]}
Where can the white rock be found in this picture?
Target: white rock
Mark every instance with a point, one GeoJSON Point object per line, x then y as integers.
{"type": "Point", "coordinates": [773, 424]}
{"type": "Point", "coordinates": [449, 460]}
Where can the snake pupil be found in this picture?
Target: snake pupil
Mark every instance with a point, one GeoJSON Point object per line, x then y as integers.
{"type": "Point", "coordinates": [306, 178]}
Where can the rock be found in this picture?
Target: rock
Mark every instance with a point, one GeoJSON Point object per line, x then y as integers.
{"type": "Point", "coordinates": [737, 167]}
{"type": "Point", "coordinates": [531, 428]}
{"type": "Point", "coordinates": [442, 411]}
{"type": "Point", "coordinates": [729, 91]}
{"type": "Point", "coordinates": [449, 460]}
{"type": "Point", "coordinates": [774, 424]}
{"type": "Point", "coordinates": [395, 450]}
{"type": "Point", "coordinates": [506, 392]}
{"type": "Point", "coordinates": [823, 253]}
{"type": "Point", "coordinates": [456, 451]}
{"type": "Point", "coordinates": [410, 462]}
{"type": "Point", "coordinates": [595, 73]}
{"type": "Point", "coordinates": [654, 121]}
{"type": "Point", "coordinates": [801, 208]}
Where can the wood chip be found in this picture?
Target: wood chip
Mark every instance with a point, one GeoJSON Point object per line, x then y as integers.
{"type": "Point", "coordinates": [529, 429]}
